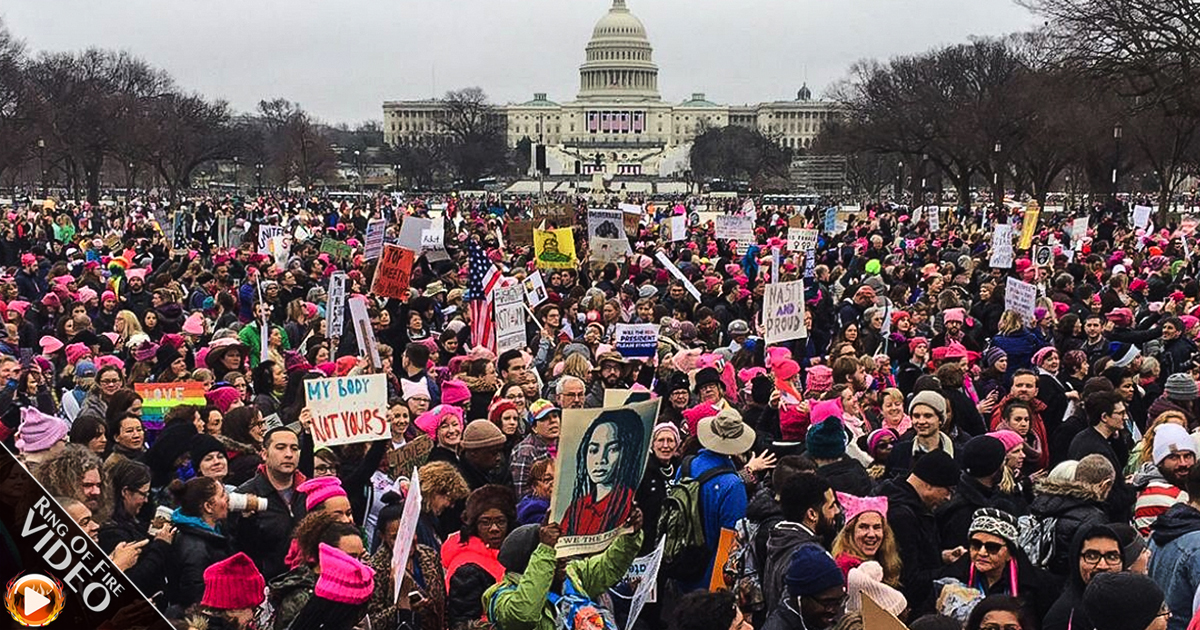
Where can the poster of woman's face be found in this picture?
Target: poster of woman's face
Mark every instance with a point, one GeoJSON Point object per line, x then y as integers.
{"type": "Point", "coordinates": [601, 458]}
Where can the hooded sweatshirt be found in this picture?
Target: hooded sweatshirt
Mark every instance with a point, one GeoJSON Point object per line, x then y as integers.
{"type": "Point", "coordinates": [1175, 560]}
{"type": "Point", "coordinates": [1067, 611]}
{"type": "Point", "coordinates": [1072, 505]}
{"type": "Point", "coordinates": [786, 538]}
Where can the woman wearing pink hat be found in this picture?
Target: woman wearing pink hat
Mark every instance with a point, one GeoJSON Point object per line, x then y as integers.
{"type": "Point", "coordinates": [867, 537]}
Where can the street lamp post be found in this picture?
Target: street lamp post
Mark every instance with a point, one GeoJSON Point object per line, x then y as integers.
{"type": "Point", "coordinates": [998, 178]}
{"type": "Point", "coordinates": [1117, 133]}
{"type": "Point", "coordinates": [237, 162]}
{"type": "Point", "coordinates": [899, 180]}
{"type": "Point", "coordinates": [258, 176]}
{"type": "Point", "coordinates": [357, 172]}
{"type": "Point", "coordinates": [42, 164]}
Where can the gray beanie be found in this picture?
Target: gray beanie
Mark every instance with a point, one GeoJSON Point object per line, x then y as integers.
{"type": "Point", "coordinates": [1180, 386]}
{"type": "Point", "coordinates": [518, 546]}
{"type": "Point", "coordinates": [931, 399]}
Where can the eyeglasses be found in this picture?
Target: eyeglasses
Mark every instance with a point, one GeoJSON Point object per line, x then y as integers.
{"type": "Point", "coordinates": [325, 468]}
{"type": "Point", "coordinates": [992, 548]}
{"type": "Point", "coordinates": [1092, 557]}
{"type": "Point", "coordinates": [489, 523]}
{"type": "Point", "coordinates": [140, 493]}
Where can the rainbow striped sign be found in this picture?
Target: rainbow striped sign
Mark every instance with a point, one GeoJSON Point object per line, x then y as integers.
{"type": "Point", "coordinates": [159, 398]}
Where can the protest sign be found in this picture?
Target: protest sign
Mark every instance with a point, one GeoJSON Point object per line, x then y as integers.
{"type": "Point", "coordinates": [363, 333]}
{"type": "Point", "coordinates": [1043, 256]}
{"type": "Point", "coordinates": [181, 232]}
{"type": "Point", "coordinates": [632, 220]}
{"type": "Point", "coordinates": [775, 262]}
{"type": "Point", "coordinates": [265, 233]}
{"type": "Point", "coordinates": [933, 214]}
{"type": "Point", "coordinates": [724, 548]}
{"type": "Point", "coordinates": [223, 231]}
{"type": "Point", "coordinates": [606, 235]}
{"type": "Point", "coordinates": [509, 303]}
{"type": "Point", "coordinates": [335, 304]}
{"type": "Point", "coordinates": [520, 233]}
{"type": "Point", "coordinates": [348, 409]}
{"type": "Point", "coordinates": [280, 248]}
{"type": "Point", "coordinates": [674, 228]}
{"type": "Point", "coordinates": [336, 249]}
{"type": "Point", "coordinates": [875, 617]}
{"type": "Point", "coordinates": [732, 227]}
{"type": "Point", "coordinates": [674, 271]}
{"type": "Point", "coordinates": [1029, 225]}
{"type": "Point", "coordinates": [620, 397]}
{"type": "Point", "coordinates": [557, 212]}
{"type": "Point", "coordinates": [393, 273]}
{"type": "Point", "coordinates": [403, 461]}
{"type": "Point", "coordinates": [433, 246]}
{"type": "Point", "coordinates": [412, 229]}
{"type": "Point", "coordinates": [831, 221]}
{"type": "Point", "coordinates": [783, 312]}
{"type": "Point", "coordinates": [406, 534]}
{"type": "Point", "coordinates": [636, 340]}
{"type": "Point", "coordinates": [376, 231]}
{"type": "Point", "coordinates": [159, 398]}
{"type": "Point", "coordinates": [1002, 249]}
{"type": "Point", "coordinates": [535, 288]}
{"type": "Point", "coordinates": [1141, 216]}
{"type": "Point", "coordinates": [796, 221]}
{"type": "Point", "coordinates": [802, 239]}
{"type": "Point", "coordinates": [554, 249]}
{"type": "Point", "coordinates": [1020, 297]}
{"type": "Point", "coordinates": [642, 577]}
{"type": "Point", "coordinates": [1079, 228]}
{"type": "Point", "coordinates": [601, 457]}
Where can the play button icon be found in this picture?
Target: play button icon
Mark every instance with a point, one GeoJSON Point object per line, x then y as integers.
{"type": "Point", "coordinates": [34, 601]}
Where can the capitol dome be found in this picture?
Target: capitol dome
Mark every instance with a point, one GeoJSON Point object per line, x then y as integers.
{"type": "Point", "coordinates": [619, 64]}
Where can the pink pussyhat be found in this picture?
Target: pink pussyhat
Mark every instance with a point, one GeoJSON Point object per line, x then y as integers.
{"type": "Point", "coordinates": [852, 506]}
{"type": "Point", "coordinates": [319, 489]}
{"type": "Point", "coordinates": [343, 578]}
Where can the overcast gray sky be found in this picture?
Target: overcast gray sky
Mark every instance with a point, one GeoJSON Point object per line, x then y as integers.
{"type": "Point", "coordinates": [340, 59]}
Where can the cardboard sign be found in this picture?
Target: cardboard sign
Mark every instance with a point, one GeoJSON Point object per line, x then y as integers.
{"type": "Point", "coordinates": [265, 234]}
{"type": "Point", "coordinates": [607, 241]}
{"type": "Point", "coordinates": [336, 249]}
{"type": "Point", "coordinates": [1043, 256]}
{"type": "Point", "coordinates": [433, 247]}
{"type": "Point", "coordinates": [404, 460]}
{"type": "Point", "coordinates": [412, 229]}
{"type": "Point", "coordinates": [674, 271]}
{"type": "Point", "coordinates": [1020, 297]}
{"type": "Point", "coordinates": [674, 228]}
{"type": "Point", "coordinates": [802, 239]}
{"type": "Point", "coordinates": [1002, 248]}
{"type": "Point", "coordinates": [159, 398]}
{"type": "Point", "coordinates": [554, 249]}
{"type": "Point", "coordinates": [509, 303]}
{"type": "Point", "coordinates": [933, 215]}
{"type": "Point", "coordinates": [724, 548]}
{"type": "Point", "coordinates": [636, 340]}
{"type": "Point", "coordinates": [363, 333]}
{"type": "Point", "coordinates": [1029, 226]}
{"type": "Point", "coordinates": [1141, 216]}
{"type": "Point", "coordinates": [738, 228]}
{"type": "Point", "coordinates": [1079, 228]}
{"type": "Point", "coordinates": [335, 304]}
{"type": "Point", "coordinates": [557, 212]}
{"type": "Point", "coordinates": [783, 312]}
{"type": "Point", "coordinates": [348, 409]}
{"type": "Point", "coordinates": [796, 221]}
{"type": "Point", "coordinates": [535, 288]}
{"type": "Point", "coordinates": [394, 272]}
{"type": "Point", "coordinates": [406, 534]}
{"type": "Point", "coordinates": [876, 618]}
{"type": "Point", "coordinates": [376, 231]}
{"type": "Point", "coordinates": [520, 232]}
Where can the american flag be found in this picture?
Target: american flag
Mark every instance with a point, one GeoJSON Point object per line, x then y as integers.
{"type": "Point", "coordinates": [482, 278]}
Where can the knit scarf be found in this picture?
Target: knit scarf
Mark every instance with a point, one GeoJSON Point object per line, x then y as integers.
{"type": "Point", "coordinates": [179, 518]}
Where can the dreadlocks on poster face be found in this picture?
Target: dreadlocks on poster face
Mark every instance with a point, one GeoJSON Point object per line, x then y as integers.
{"type": "Point", "coordinates": [602, 454]}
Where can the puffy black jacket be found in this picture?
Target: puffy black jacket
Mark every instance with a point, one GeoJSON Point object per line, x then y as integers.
{"type": "Point", "coordinates": [193, 551]}
{"type": "Point", "coordinates": [954, 518]}
{"type": "Point", "coordinates": [785, 538]}
{"type": "Point", "coordinates": [1073, 505]}
{"type": "Point", "coordinates": [464, 603]}
{"type": "Point", "coordinates": [265, 535]}
{"type": "Point", "coordinates": [1067, 613]}
{"type": "Point", "coordinates": [847, 475]}
{"type": "Point", "coordinates": [918, 539]}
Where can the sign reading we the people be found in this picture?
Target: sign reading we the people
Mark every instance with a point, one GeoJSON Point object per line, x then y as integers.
{"type": "Point", "coordinates": [348, 409]}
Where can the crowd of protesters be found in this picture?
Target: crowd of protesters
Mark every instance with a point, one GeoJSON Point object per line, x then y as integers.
{"type": "Point", "coordinates": [924, 444]}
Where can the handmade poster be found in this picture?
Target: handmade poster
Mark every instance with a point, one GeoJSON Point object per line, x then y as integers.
{"type": "Point", "coordinates": [1043, 256]}
{"type": "Point", "coordinates": [606, 235]}
{"type": "Point", "coordinates": [376, 231]}
{"type": "Point", "coordinates": [783, 312]}
{"type": "Point", "coordinates": [406, 459]}
{"type": "Point", "coordinates": [411, 231]}
{"type": "Point", "coordinates": [433, 246]}
{"type": "Point", "coordinates": [265, 233]}
{"type": "Point", "coordinates": [642, 577]}
{"type": "Point", "coordinates": [554, 249]}
{"type": "Point", "coordinates": [535, 288]}
{"type": "Point", "coordinates": [674, 228]}
{"type": "Point", "coordinates": [802, 239]}
{"type": "Point", "coordinates": [632, 216]}
{"type": "Point", "coordinates": [394, 272]}
{"type": "Point", "coordinates": [159, 398]}
{"type": "Point", "coordinates": [831, 221]}
{"type": "Point", "coordinates": [557, 212]}
{"type": "Point", "coordinates": [601, 457]}
{"type": "Point", "coordinates": [335, 304]}
{"type": "Point", "coordinates": [732, 227]}
{"type": "Point", "coordinates": [1029, 225]}
{"type": "Point", "coordinates": [1141, 216]}
{"type": "Point", "coordinates": [796, 221]}
{"type": "Point", "coordinates": [280, 249]}
{"type": "Point", "coordinates": [348, 409]}
{"type": "Point", "coordinates": [520, 233]}
{"type": "Point", "coordinates": [1020, 297]}
{"type": "Point", "coordinates": [933, 215]}
{"type": "Point", "coordinates": [338, 250]}
{"type": "Point", "coordinates": [636, 340]}
{"type": "Point", "coordinates": [724, 548]}
{"type": "Point", "coordinates": [1079, 228]}
{"type": "Point", "coordinates": [510, 316]}
{"type": "Point", "coordinates": [630, 208]}
{"type": "Point", "coordinates": [1002, 248]}
{"type": "Point", "coordinates": [674, 271]}
{"type": "Point", "coordinates": [181, 225]}
{"type": "Point", "coordinates": [363, 333]}
{"type": "Point", "coordinates": [406, 533]}
{"type": "Point", "coordinates": [875, 617]}
{"type": "Point", "coordinates": [614, 397]}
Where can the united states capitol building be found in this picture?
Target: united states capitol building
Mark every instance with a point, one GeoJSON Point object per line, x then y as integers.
{"type": "Point", "coordinates": [618, 125]}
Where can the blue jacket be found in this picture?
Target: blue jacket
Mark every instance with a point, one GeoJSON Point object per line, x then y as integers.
{"type": "Point", "coordinates": [723, 501]}
{"type": "Point", "coordinates": [1175, 560]}
{"type": "Point", "coordinates": [1019, 347]}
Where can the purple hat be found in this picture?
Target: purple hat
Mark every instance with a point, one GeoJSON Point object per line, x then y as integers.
{"type": "Point", "coordinates": [38, 431]}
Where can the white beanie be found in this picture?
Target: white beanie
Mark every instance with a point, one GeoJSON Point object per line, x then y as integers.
{"type": "Point", "coordinates": [1169, 438]}
{"type": "Point", "coordinates": [866, 579]}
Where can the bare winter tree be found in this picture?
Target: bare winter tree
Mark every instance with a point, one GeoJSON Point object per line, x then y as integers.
{"type": "Point", "coordinates": [17, 130]}
{"type": "Point", "coordinates": [295, 147]}
{"type": "Point", "coordinates": [475, 146]}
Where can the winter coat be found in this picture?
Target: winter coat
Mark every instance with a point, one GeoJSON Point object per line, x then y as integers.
{"type": "Point", "coordinates": [520, 602]}
{"type": "Point", "coordinates": [289, 593]}
{"type": "Point", "coordinates": [1019, 346]}
{"type": "Point", "coordinates": [464, 603]}
{"type": "Point", "coordinates": [722, 500]}
{"type": "Point", "coordinates": [954, 518]}
{"type": "Point", "coordinates": [196, 548]}
{"type": "Point", "coordinates": [456, 554]}
{"type": "Point", "coordinates": [1155, 496]}
{"type": "Point", "coordinates": [265, 535]}
{"type": "Point", "coordinates": [150, 572]}
{"type": "Point", "coordinates": [1074, 506]}
{"type": "Point", "coordinates": [785, 538]}
{"type": "Point", "coordinates": [1067, 613]}
{"type": "Point", "coordinates": [244, 460]}
{"type": "Point", "coordinates": [847, 475]}
{"type": "Point", "coordinates": [784, 617]}
{"type": "Point", "coordinates": [1053, 390]}
{"type": "Point", "coordinates": [1175, 560]}
{"type": "Point", "coordinates": [1037, 589]}
{"type": "Point", "coordinates": [918, 539]}
{"type": "Point", "coordinates": [383, 611]}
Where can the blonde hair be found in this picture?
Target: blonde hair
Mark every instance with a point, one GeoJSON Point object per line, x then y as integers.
{"type": "Point", "coordinates": [892, 393]}
{"type": "Point", "coordinates": [1010, 322]}
{"type": "Point", "coordinates": [132, 325]}
{"type": "Point", "coordinates": [888, 555]}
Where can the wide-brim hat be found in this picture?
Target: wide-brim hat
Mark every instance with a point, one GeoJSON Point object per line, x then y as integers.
{"type": "Point", "coordinates": [219, 348]}
{"type": "Point", "coordinates": [725, 433]}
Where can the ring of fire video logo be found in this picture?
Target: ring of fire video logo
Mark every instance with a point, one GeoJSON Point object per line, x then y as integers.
{"type": "Point", "coordinates": [34, 599]}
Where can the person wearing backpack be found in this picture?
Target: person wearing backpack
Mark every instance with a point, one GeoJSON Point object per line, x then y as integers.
{"type": "Point", "coordinates": [535, 581]}
{"type": "Point", "coordinates": [722, 494]}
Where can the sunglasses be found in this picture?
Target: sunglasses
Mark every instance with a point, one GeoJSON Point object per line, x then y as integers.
{"type": "Point", "coordinates": [992, 548]}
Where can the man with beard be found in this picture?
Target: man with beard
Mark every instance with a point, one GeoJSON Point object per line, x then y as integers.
{"type": "Point", "coordinates": [613, 369]}
{"type": "Point", "coordinates": [266, 534]}
{"type": "Point", "coordinates": [1094, 345]}
{"type": "Point", "coordinates": [816, 592]}
{"type": "Point", "coordinates": [137, 298]}
{"type": "Point", "coordinates": [1175, 553]}
{"type": "Point", "coordinates": [810, 512]}
{"type": "Point", "coordinates": [78, 473]}
{"type": "Point", "coordinates": [1177, 349]}
{"type": "Point", "coordinates": [1161, 484]}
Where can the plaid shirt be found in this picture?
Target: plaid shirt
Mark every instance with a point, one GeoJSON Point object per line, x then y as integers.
{"type": "Point", "coordinates": [531, 450]}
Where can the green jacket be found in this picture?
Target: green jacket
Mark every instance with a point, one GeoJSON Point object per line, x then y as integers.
{"type": "Point", "coordinates": [251, 335]}
{"type": "Point", "coordinates": [521, 601]}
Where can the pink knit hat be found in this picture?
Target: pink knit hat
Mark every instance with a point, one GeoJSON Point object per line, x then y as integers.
{"type": "Point", "coordinates": [233, 584]}
{"type": "Point", "coordinates": [318, 489]}
{"type": "Point", "coordinates": [853, 506]}
{"type": "Point", "coordinates": [694, 415]}
{"type": "Point", "coordinates": [1040, 355]}
{"type": "Point", "coordinates": [454, 392]}
{"type": "Point", "coordinates": [819, 378]}
{"type": "Point", "coordinates": [38, 431]}
{"type": "Point", "coordinates": [107, 360]}
{"type": "Point", "coordinates": [20, 306]}
{"type": "Point", "coordinates": [50, 344]}
{"type": "Point", "coordinates": [86, 294]}
{"type": "Point", "coordinates": [432, 419]}
{"type": "Point", "coordinates": [194, 324]}
{"type": "Point", "coordinates": [343, 578]}
{"type": "Point", "coordinates": [223, 397]}
{"type": "Point", "coordinates": [785, 370]}
{"type": "Point", "coordinates": [76, 352]}
{"type": "Point", "coordinates": [1010, 439]}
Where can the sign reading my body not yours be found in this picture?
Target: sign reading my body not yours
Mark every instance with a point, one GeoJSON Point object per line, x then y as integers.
{"type": "Point", "coordinates": [348, 409]}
